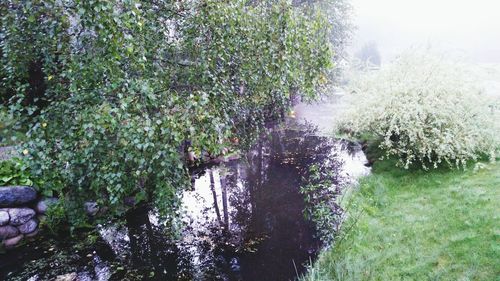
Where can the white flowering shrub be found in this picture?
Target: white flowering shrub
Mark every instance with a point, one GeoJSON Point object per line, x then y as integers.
{"type": "Point", "coordinates": [426, 110]}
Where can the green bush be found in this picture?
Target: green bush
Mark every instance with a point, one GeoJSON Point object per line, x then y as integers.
{"type": "Point", "coordinates": [425, 109]}
{"type": "Point", "coordinates": [10, 132]}
{"type": "Point", "coordinates": [128, 84]}
{"type": "Point", "coordinates": [14, 172]}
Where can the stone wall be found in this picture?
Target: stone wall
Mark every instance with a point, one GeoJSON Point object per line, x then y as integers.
{"type": "Point", "coordinates": [22, 208]}
{"type": "Point", "coordinates": [20, 213]}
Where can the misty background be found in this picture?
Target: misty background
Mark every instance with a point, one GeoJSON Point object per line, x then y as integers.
{"type": "Point", "coordinates": [470, 29]}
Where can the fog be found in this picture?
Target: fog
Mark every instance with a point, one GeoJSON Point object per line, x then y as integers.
{"type": "Point", "coordinates": [468, 28]}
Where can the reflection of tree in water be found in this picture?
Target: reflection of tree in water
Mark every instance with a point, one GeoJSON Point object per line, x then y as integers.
{"type": "Point", "coordinates": [278, 205]}
{"type": "Point", "coordinates": [252, 226]}
{"type": "Point", "coordinates": [244, 222]}
{"type": "Point", "coordinates": [152, 255]}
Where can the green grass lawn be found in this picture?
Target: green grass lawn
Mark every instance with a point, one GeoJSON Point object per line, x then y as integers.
{"type": "Point", "coordinates": [416, 225]}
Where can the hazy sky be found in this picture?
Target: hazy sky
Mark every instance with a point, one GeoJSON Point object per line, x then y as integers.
{"type": "Point", "coordinates": [469, 27]}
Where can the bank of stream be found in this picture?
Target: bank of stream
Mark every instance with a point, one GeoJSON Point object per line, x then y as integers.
{"type": "Point", "coordinates": [240, 220]}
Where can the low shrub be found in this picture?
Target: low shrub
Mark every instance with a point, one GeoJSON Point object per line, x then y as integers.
{"type": "Point", "coordinates": [14, 172]}
{"type": "Point", "coordinates": [425, 109]}
{"type": "Point", "coordinates": [10, 132]}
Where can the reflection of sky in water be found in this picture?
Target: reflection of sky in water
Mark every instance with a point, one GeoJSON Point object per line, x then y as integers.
{"type": "Point", "coordinates": [202, 198]}
{"type": "Point", "coordinates": [244, 219]}
{"type": "Point", "coordinates": [353, 163]}
{"type": "Point", "coordinates": [323, 114]}
{"type": "Point", "coordinates": [222, 195]}
{"type": "Point", "coordinates": [238, 214]}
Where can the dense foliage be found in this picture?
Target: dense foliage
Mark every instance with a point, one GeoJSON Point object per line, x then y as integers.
{"type": "Point", "coordinates": [14, 172]}
{"type": "Point", "coordinates": [114, 91]}
{"type": "Point", "coordinates": [338, 14]}
{"type": "Point", "coordinates": [425, 109]}
{"type": "Point", "coordinates": [320, 198]}
{"type": "Point", "coordinates": [10, 132]}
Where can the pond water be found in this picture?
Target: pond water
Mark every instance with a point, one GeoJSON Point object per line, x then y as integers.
{"type": "Point", "coordinates": [240, 220]}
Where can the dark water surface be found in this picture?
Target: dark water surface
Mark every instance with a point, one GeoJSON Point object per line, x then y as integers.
{"type": "Point", "coordinates": [241, 220]}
